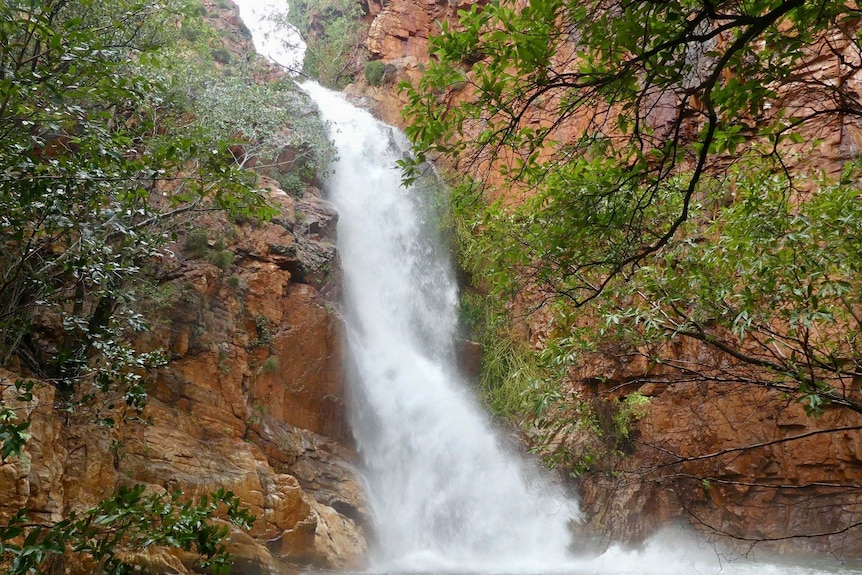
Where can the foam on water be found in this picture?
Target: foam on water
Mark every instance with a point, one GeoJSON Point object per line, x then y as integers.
{"type": "Point", "coordinates": [442, 485]}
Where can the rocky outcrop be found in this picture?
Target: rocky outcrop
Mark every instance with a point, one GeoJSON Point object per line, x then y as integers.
{"type": "Point", "coordinates": [402, 29]}
{"type": "Point", "coordinates": [398, 36]}
{"type": "Point", "coordinates": [741, 464]}
{"type": "Point", "coordinates": [251, 401]}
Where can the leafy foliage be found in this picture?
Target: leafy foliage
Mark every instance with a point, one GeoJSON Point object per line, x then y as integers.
{"type": "Point", "coordinates": [657, 146]}
{"type": "Point", "coordinates": [652, 87]}
{"type": "Point", "coordinates": [772, 284]}
{"type": "Point", "coordinates": [90, 138]}
{"type": "Point", "coordinates": [581, 435]}
{"type": "Point", "coordinates": [333, 32]}
{"type": "Point", "coordinates": [103, 154]}
{"type": "Point", "coordinates": [511, 374]}
{"type": "Point", "coordinates": [13, 435]}
{"type": "Point", "coordinates": [266, 121]}
{"type": "Point", "coordinates": [132, 520]}
{"type": "Point", "coordinates": [374, 70]}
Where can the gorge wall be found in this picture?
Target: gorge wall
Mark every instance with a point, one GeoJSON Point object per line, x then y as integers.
{"type": "Point", "coordinates": [685, 460]}
{"type": "Point", "coordinates": [251, 399]}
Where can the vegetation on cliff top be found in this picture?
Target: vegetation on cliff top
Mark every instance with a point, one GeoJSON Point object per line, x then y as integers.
{"type": "Point", "coordinates": [333, 31]}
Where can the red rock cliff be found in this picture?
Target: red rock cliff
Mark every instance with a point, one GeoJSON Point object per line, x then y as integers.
{"type": "Point", "coordinates": [251, 401]}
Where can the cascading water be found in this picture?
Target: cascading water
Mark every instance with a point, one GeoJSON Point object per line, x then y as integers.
{"type": "Point", "coordinates": [446, 495]}
{"type": "Point", "coordinates": [441, 484]}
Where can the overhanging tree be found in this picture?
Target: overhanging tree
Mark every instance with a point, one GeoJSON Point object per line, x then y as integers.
{"type": "Point", "coordinates": [660, 148]}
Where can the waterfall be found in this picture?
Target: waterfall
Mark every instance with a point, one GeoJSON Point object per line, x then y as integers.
{"type": "Point", "coordinates": [271, 33]}
{"type": "Point", "coordinates": [443, 489]}
{"type": "Point", "coordinates": [441, 484]}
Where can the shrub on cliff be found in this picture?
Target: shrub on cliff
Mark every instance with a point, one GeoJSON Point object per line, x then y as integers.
{"type": "Point", "coordinates": [374, 72]}
{"type": "Point", "coordinates": [97, 158]}
{"type": "Point", "coordinates": [333, 31]}
{"type": "Point", "coordinates": [273, 124]}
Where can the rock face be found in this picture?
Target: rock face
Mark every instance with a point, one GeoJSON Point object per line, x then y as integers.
{"type": "Point", "coordinates": [739, 463]}
{"type": "Point", "coordinates": [251, 401]}
{"type": "Point", "coordinates": [398, 36]}
{"type": "Point", "coordinates": [783, 487]}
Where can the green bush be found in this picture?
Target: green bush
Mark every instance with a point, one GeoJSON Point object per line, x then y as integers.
{"type": "Point", "coordinates": [339, 30]}
{"type": "Point", "coordinates": [222, 56]}
{"type": "Point", "coordinates": [374, 72]}
{"type": "Point", "coordinates": [265, 331]}
{"type": "Point", "coordinates": [131, 520]}
{"type": "Point", "coordinates": [270, 364]}
{"type": "Point", "coordinates": [511, 373]}
{"type": "Point", "coordinates": [244, 31]}
{"type": "Point", "coordinates": [196, 244]}
{"type": "Point", "coordinates": [221, 259]}
{"type": "Point", "coordinates": [191, 34]}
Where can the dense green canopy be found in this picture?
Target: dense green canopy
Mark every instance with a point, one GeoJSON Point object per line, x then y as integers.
{"type": "Point", "coordinates": [669, 154]}
{"type": "Point", "coordinates": [116, 127]}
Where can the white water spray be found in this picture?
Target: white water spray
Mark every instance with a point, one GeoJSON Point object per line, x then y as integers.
{"type": "Point", "coordinates": [446, 496]}
{"type": "Point", "coordinates": [273, 36]}
{"type": "Point", "coordinates": [443, 488]}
